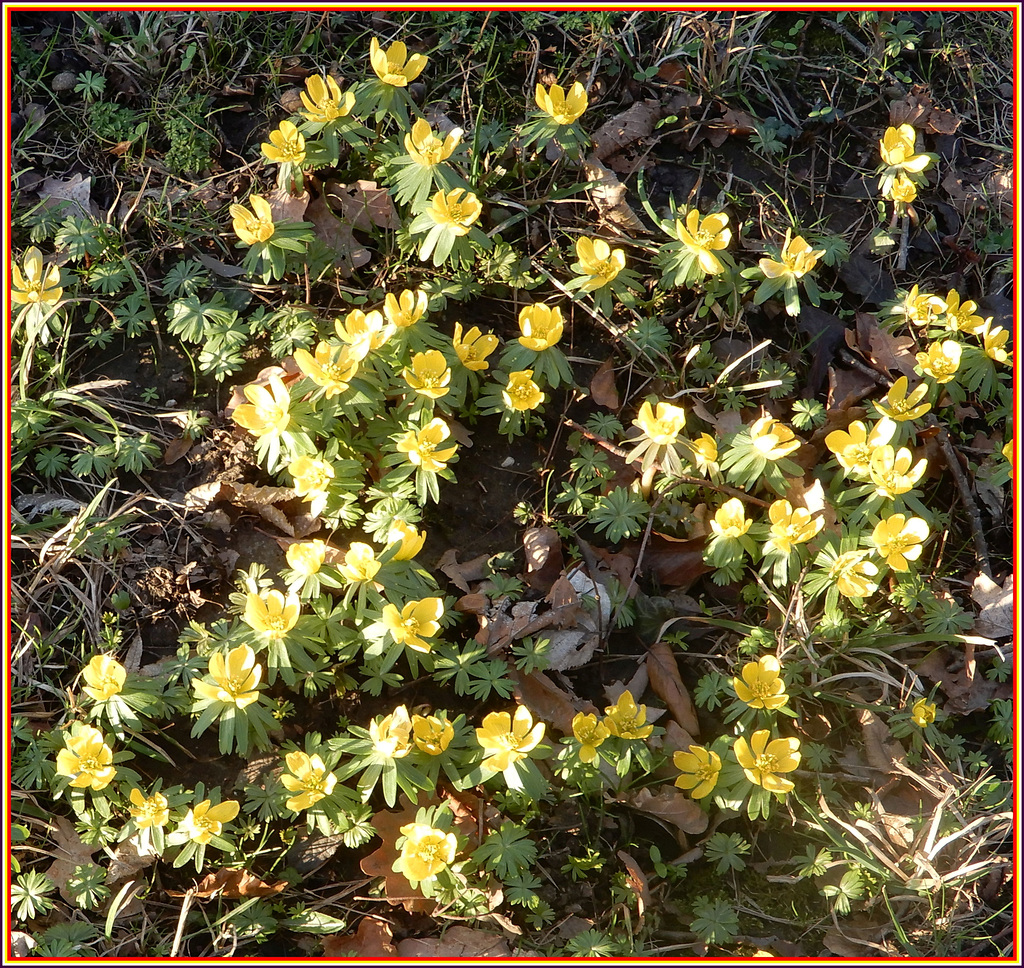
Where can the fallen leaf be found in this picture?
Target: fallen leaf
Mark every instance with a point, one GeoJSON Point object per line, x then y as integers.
{"type": "Point", "coordinates": [337, 235]}
{"type": "Point", "coordinates": [865, 277]}
{"type": "Point", "coordinates": [21, 944]}
{"type": "Point", "coordinates": [232, 883]}
{"type": "Point", "coordinates": [827, 332]}
{"type": "Point", "coordinates": [637, 121]}
{"type": "Point", "coordinates": [544, 562]}
{"type": "Point", "coordinates": [362, 205]}
{"type": "Point", "coordinates": [69, 852]}
{"type": "Point", "coordinates": [219, 267]}
{"type": "Point", "coordinates": [462, 574]}
{"type": "Point", "coordinates": [127, 860]}
{"type": "Point", "coordinates": [671, 805]}
{"type": "Point", "coordinates": [311, 853]}
{"type": "Point", "coordinates": [602, 386]}
{"type": "Point", "coordinates": [77, 190]}
{"type": "Point", "coordinates": [672, 562]}
{"type": "Point", "coordinates": [397, 890]}
{"type": "Point", "coordinates": [918, 110]}
{"type": "Point", "coordinates": [667, 684]}
{"type": "Point", "coordinates": [547, 701]}
{"type": "Point", "coordinates": [286, 207]}
{"type": "Point", "coordinates": [995, 621]}
{"type": "Point", "coordinates": [456, 943]}
{"type": "Point", "coordinates": [371, 941]}
{"type": "Point", "coordinates": [177, 449]}
{"type": "Point", "coordinates": [636, 881]}
{"type": "Point", "coordinates": [609, 197]}
{"type": "Point", "coordinates": [846, 388]}
{"type": "Point", "coordinates": [889, 354]}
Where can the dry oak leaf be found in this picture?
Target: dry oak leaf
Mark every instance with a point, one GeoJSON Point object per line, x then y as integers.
{"type": "Point", "coordinates": [460, 942]}
{"type": "Point", "coordinates": [887, 353]}
{"type": "Point", "coordinates": [371, 941]}
{"type": "Point", "coordinates": [69, 852]}
{"type": "Point", "coordinates": [362, 204]}
{"type": "Point", "coordinates": [669, 687]}
{"type": "Point", "coordinates": [995, 620]}
{"type": "Point", "coordinates": [338, 236]}
{"type": "Point", "coordinates": [609, 197]}
{"type": "Point", "coordinates": [544, 562]}
{"type": "Point", "coordinates": [602, 386]}
{"type": "Point", "coordinates": [232, 882]}
{"type": "Point", "coordinates": [461, 574]}
{"type": "Point", "coordinates": [548, 701]}
{"type": "Point", "coordinates": [672, 806]}
{"type": "Point", "coordinates": [636, 122]}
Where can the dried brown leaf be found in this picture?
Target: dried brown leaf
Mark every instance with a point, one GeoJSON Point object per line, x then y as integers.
{"type": "Point", "coordinates": [671, 805]}
{"type": "Point", "coordinates": [637, 121]}
{"type": "Point", "coordinates": [669, 687]}
{"type": "Point", "coordinates": [889, 354]}
{"type": "Point", "coordinates": [609, 197]}
{"type": "Point", "coordinates": [362, 205]}
{"type": "Point", "coordinates": [337, 235]}
{"type": "Point", "coordinates": [548, 701]}
{"type": "Point", "coordinates": [235, 882]}
{"type": "Point", "coordinates": [371, 941]}
{"type": "Point", "coordinates": [69, 852]}
{"type": "Point", "coordinates": [636, 881]}
{"type": "Point", "coordinates": [674, 562]}
{"type": "Point", "coordinates": [544, 562]}
{"type": "Point", "coordinates": [995, 621]}
{"type": "Point", "coordinates": [462, 574]}
{"type": "Point", "coordinates": [77, 189]}
{"type": "Point", "coordinates": [286, 207]}
{"type": "Point", "coordinates": [602, 386]}
{"type": "Point", "coordinates": [458, 942]}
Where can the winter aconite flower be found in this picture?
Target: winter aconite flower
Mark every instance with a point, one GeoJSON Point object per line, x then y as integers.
{"type": "Point", "coordinates": [894, 472]}
{"type": "Point", "coordinates": [325, 102]}
{"type": "Point", "coordinates": [104, 677]}
{"type": "Point", "coordinates": [86, 759]}
{"type": "Point", "coordinates": [395, 66]}
{"type": "Point", "coordinates": [704, 236]}
{"type": "Point", "coordinates": [920, 308]}
{"type": "Point", "coordinates": [923, 713]}
{"type": "Point", "coordinates": [426, 852]}
{"type": "Point", "coordinates": [791, 526]}
{"type": "Point", "coordinates": [309, 778]}
{"type": "Point", "coordinates": [410, 540]}
{"type": "Point", "coordinates": [897, 149]}
{"type": "Point", "coordinates": [962, 315]}
{"type": "Point", "coordinates": [360, 563]}
{"type": "Point", "coordinates": [306, 557]}
{"type": "Point", "coordinates": [763, 760]}
{"type": "Point", "coordinates": [562, 107]}
{"type": "Point", "coordinates": [899, 540]}
{"type": "Point", "coordinates": [35, 286]}
{"type": "Point", "coordinates": [391, 735]}
{"type": "Point", "coordinates": [598, 262]}
{"type": "Point", "coordinates": [730, 520]}
{"type": "Point", "coordinates": [522, 393]}
{"type": "Point", "coordinates": [854, 446]}
{"type": "Point", "coordinates": [236, 675]}
{"type": "Point", "coordinates": [202, 823]}
{"type": "Point", "coordinates": [508, 739]}
{"type": "Point", "coordinates": [364, 331]}
{"type": "Point", "coordinates": [422, 446]}
{"type": "Point", "coordinates": [456, 210]}
{"type": "Point", "coordinates": [417, 622]}
{"type": "Point", "coordinates": [771, 439]}
{"type": "Point", "coordinates": [406, 309]}
{"type": "Point", "coordinates": [705, 454]}
{"type": "Point", "coordinates": [761, 687]}
{"type": "Point", "coordinates": [148, 811]}
{"type": "Point", "coordinates": [994, 341]}
{"type": "Point", "coordinates": [900, 406]}
{"type": "Point", "coordinates": [541, 326]}
{"type": "Point", "coordinates": [432, 734]}
{"type": "Point", "coordinates": [626, 719]}
{"type": "Point", "coordinates": [662, 424]}
{"type": "Point", "coordinates": [268, 409]}
{"type": "Point", "coordinates": [698, 770]}
{"type": "Point", "coordinates": [796, 259]}
{"type": "Point", "coordinates": [426, 148]}
{"type": "Point", "coordinates": [429, 374]}
{"type": "Point", "coordinates": [312, 477]}
{"type": "Point", "coordinates": [253, 226]}
{"type": "Point", "coordinates": [853, 575]}
{"type": "Point", "coordinates": [331, 367]}
{"type": "Point", "coordinates": [286, 145]}
{"type": "Point", "coordinates": [590, 733]}
{"type": "Point", "coordinates": [941, 361]}
{"type": "Point", "coordinates": [273, 616]}
{"type": "Point", "coordinates": [903, 190]}
{"type": "Point", "coordinates": [473, 348]}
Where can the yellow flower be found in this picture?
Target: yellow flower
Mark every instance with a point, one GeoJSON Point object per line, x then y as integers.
{"type": "Point", "coordinates": [286, 145]}
{"type": "Point", "coordinates": [791, 526]}
{"type": "Point", "coordinates": [563, 108]}
{"type": "Point", "coordinates": [255, 226]}
{"type": "Point", "coordinates": [903, 190]}
{"type": "Point", "coordinates": [852, 575]}
{"type": "Point", "coordinates": [236, 676]}
{"type": "Point", "coordinates": [474, 349]}
{"type": "Point", "coordinates": [921, 308]}
{"type": "Point", "coordinates": [762, 760]}
{"type": "Point", "coordinates": [705, 453]}
{"type": "Point", "coordinates": [417, 622]}
{"type": "Point", "coordinates": [941, 361]}
{"type": "Point", "coordinates": [703, 236]}
{"type": "Point", "coordinates": [395, 66]}
{"type": "Point", "coordinates": [421, 446]}
{"type": "Point", "coordinates": [274, 616]}
{"type": "Point", "coordinates": [429, 374]}
{"type": "Point", "coordinates": [898, 540]}
{"type": "Point", "coordinates": [522, 393]}
{"type": "Point", "coordinates": [411, 539]}
{"type": "Point", "coordinates": [391, 735]}
{"type": "Point", "coordinates": [854, 446]}
{"type": "Point", "coordinates": [796, 259]}
{"type": "Point", "coordinates": [598, 261]}
{"type": "Point", "coordinates": [962, 317]}
{"type": "Point", "coordinates": [427, 851]}
{"type": "Point", "coordinates": [306, 557]}
{"type": "Point", "coordinates": [86, 759]}
{"type": "Point", "coordinates": [900, 406]}
{"type": "Point", "coordinates": [591, 733]}
{"type": "Point", "coordinates": [406, 309]}
{"type": "Point", "coordinates": [626, 719]}
{"type": "Point", "coordinates": [891, 471]}
{"type": "Point", "coordinates": [309, 778]}
{"type": "Point", "coordinates": [508, 738]}
{"type": "Point", "coordinates": [268, 410]}
{"type": "Point", "coordinates": [699, 770]}
{"type": "Point", "coordinates": [662, 425]}
{"type": "Point", "coordinates": [331, 368]}
{"type": "Point", "coordinates": [104, 677]}
{"type": "Point", "coordinates": [360, 563]}
{"type": "Point", "coordinates": [730, 520]}
{"type": "Point", "coordinates": [1007, 450]}
{"type": "Point", "coordinates": [325, 102]}
{"type": "Point", "coordinates": [312, 477]}
{"type": "Point", "coordinates": [923, 713]}
{"type": "Point", "coordinates": [35, 286]}
{"type": "Point", "coordinates": [432, 734]}
{"type": "Point", "coordinates": [541, 326]}
{"type": "Point", "coordinates": [364, 331]}
{"type": "Point", "coordinates": [426, 148]}
{"type": "Point", "coordinates": [456, 210]}
{"type": "Point", "coordinates": [202, 823]}
{"type": "Point", "coordinates": [773, 440]}
{"type": "Point", "coordinates": [761, 686]}
{"type": "Point", "coordinates": [995, 340]}
{"type": "Point", "coordinates": [148, 811]}
{"type": "Point", "coordinates": [897, 150]}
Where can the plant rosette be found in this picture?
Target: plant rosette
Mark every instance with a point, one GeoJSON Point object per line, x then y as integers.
{"type": "Point", "coordinates": [697, 249]}
{"type": "Point", "coordinates": [449, 230]}
{"type": "Point", "coordinates": [557, 119]}
{"type": "Point", "coordinates": [427, 165]}
{"type": "Point", "coordinates": [784, 270]}
{"type": "Point", "coordinates": [202, 827]}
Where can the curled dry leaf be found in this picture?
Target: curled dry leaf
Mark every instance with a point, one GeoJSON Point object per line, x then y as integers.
{"type": "Point", "coordinates": [636, 122]}
{"type": "Point", "coordinates": [338, 236]}
{"type": "Point", "coordinates": [889, 354]}
{"type": "Point", "coordinates": [363, 205]}
{"type": "Point", "coordinates": [995, 621]}
{"type": "Point", "coordinates": [602, 386]}
{"type": "Point", "coordinates": [609, 197]}
{"type": "Point", "coordinates": [544, 562]}
{"type": "Point", "coordinates": [672, 806]}
{"type": "Point", "coordinates": [669, 687]}
{"type": "Point", "coordinates": [234, 882]}
{"type": "Point", "coordinates": [461, 574]}
{"type": "Point", "coordinates": [548, 701]}
{"type": "Point", "coordinates": [636, 880]}
{"type": "Point", "coordinates": [371, 941]}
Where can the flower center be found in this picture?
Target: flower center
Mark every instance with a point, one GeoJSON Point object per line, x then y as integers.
{"type": "Point", "coordinates": [761, 690]}
{"type": "Point", "coordinates": [89, 764]}
{"type": "Point", "coordinates": [275, 623]}
{"type": "Point", "coordinates": [765, 763]}
{"type": "Point", "coordinates": [704, 238]}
